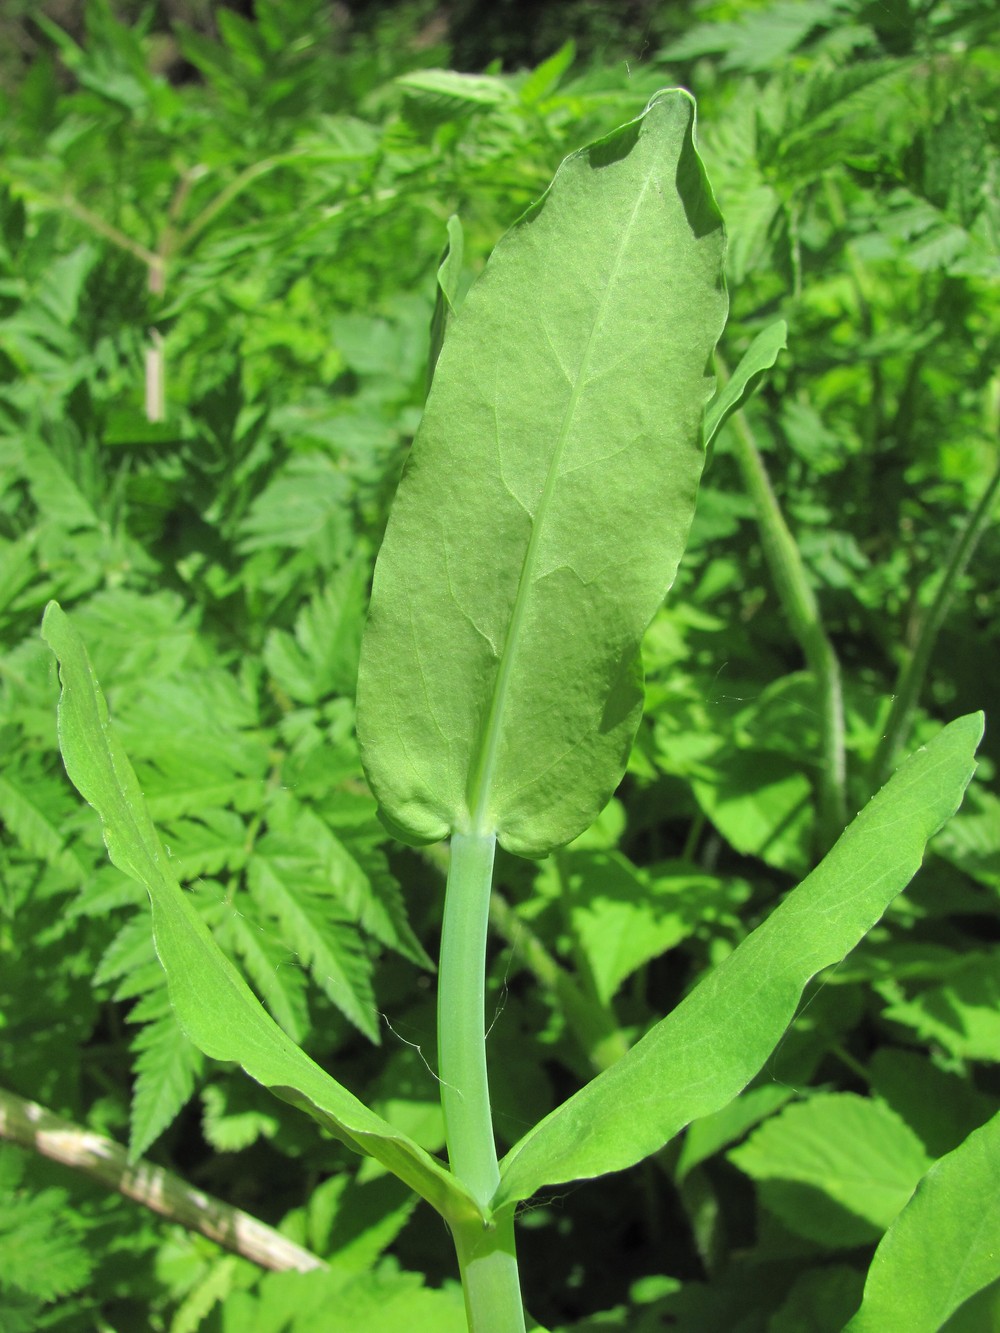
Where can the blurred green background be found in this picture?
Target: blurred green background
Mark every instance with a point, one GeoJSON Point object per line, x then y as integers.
{"type": "Point", "coordinates": [219, 234]}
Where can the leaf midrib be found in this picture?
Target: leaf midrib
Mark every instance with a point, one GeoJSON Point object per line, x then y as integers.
{"type": "Point", "coordinates": [484, 766]}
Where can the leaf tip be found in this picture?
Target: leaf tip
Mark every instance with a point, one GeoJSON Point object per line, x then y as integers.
{"type": "Point", "coordinates": [53, 611]}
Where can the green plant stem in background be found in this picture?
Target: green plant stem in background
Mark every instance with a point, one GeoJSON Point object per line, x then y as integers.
{"type": "Point", "coordinates": [800, 606]}
{"type": "Point", "coordinates": [914, 667]}
{"type": "Point", "coordinates": [600, 1038]}
{"type": "Point", "coordinates": [485, 1253]}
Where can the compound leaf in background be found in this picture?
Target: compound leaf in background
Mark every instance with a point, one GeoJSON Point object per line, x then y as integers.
{"type": "Point", "coordinates": [166, 1071]}
{"type": "Point", "coordinates": [546, 501]}
{"type": "Point", "coordinates": [322, 657]}
{"type": "Point", "coordinates": [942, 1248]}
{"type": "Point", "coordinates": [702, 1054]}
{"type": "Point", "coordinates": [214, 1005]}
{"type": "Point", "coordinates": [342, 1302]}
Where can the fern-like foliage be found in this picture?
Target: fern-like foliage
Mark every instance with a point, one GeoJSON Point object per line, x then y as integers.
{"type": "Point", "coordinates": [322, 657]}
{"type": "Point", "coordinates": [757, 40]}
{"type": "Point", "coordinates": [387, 1299]}
{"type": "Point", "coordinates": [167, 1066]}
{"type": "Point", "coordinates": [287, 885]}
{"type": "Point", "coordinates": [43, 1253]}
{"type": "Point", "coordinates": [264, 815]}
{"type": "Point", "coordinates": [167, 1070]}
{"type": "Point", "coordinates": [237, 1114]}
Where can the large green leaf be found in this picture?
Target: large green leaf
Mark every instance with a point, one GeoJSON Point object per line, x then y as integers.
{"type": "Point", "coordinates": [547, 499]}
{"type": "Point", "coordinates": [700, 1056]}
{"type": "Point", "coordinates": [943, 1247]}
{"type": "Point", "coordinates": [216, 1008]}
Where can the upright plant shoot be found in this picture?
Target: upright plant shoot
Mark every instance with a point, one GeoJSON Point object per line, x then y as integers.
{"type": "Point", "coordinates": [539, 522]}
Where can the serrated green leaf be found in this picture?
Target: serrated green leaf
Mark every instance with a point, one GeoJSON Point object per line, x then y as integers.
{"type": "Point", "coordinates": [546, 77]}
{"type": "Point", "coordinates": [212, 1001]}
{"type": "Point", "coordinates": [269, 963]}
{"type": "Point", "coordinates": [18, 565]}
{"type": "Point", "coordinates": [167, 1068]}
{"type": "Point", "coordinates": [286, 886]}
{"type": "Point", "coordinates": [233, 1119]}
{"type": "Point", "coordinates": [140, 637]}
{"type": "Point", "coordinates": [546, 501]}
{"type": "Point", "coordinates": [353, 1221]}
{"type": "Point", "coordinates": [106, 890]}
{"type": "Point", "coordinates": [471, 90]}
{"type": "Point", "coordinates": [322, 658]}
{"type": "Point", "coordinates": [211, 1291]}
{"type": "Point", "coordinates": [130, 950]}
{"type": "Point", "coordinates": [305, 505]}
{"type": "Point", "coordinates": [852, 1151]}
{"type": "Point", "coordinates": [699, 1057]}
{"type": "Point", "coordinates": [623, 917]}
{"type": "Point", "coordinates": [215, 841]}
{"type": "Point", "coordinates": [381, 908]}
{"type": "Point", "coordinates": [358, 876]}
{"type": "Point", "coordinates": [962, 1015]}
{"type": "Point", "coordinates": [757, 39]}
{"type": "Point", "coordinates": [33, 808]}
{"type": "Point", "coordinates": [41, 1252]}
{"type": "Point", "coordinates": [57, 494]}
{"type": "Point", "coordinates": [748, 197]}
{"type": "Point", "coordinates": [942, 1248]}
{"type": "Point", "coordinates": [61, 286]}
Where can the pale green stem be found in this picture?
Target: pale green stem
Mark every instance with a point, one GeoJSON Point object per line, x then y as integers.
{"type": "Point", "coordinates": [802, 610]}
{"type": "Point", "coordinates": [106, 229]}
{"type": "Point", "coordinates": [230, 192]}
{"type": "Point", "coordinates": [486, 1254]}
{"type": "Point", "coordinates": [490, 1283]}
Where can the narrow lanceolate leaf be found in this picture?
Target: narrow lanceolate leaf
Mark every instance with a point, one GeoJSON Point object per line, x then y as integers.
{"type": "Point", "coordinates": [757, 360]}
{"type": "Point", "coordinates": [547, 500]}
{"type": "Point", "coordinates": [943, 1247]}
{"type": "Point", "coordinates": [448, 281]}
{"type": "Point", "coordinates": [214, 1005]}
{"type": "Point", "coordinates": [707, 1050]}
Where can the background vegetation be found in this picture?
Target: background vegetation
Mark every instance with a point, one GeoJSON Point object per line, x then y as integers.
{"type": "Point", "coordinates": [218, 242]}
